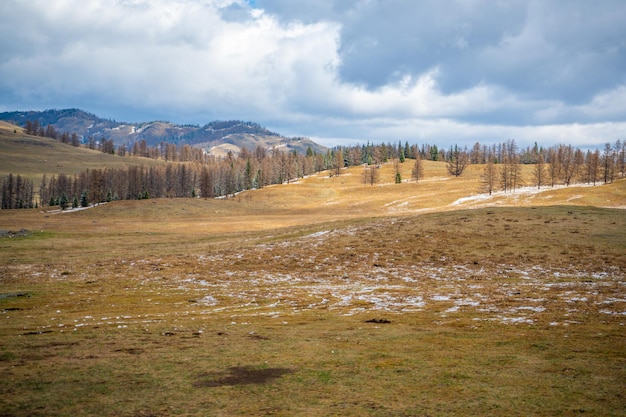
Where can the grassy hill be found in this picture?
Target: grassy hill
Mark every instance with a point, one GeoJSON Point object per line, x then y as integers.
{"type": "Point", "coordinates": [320, 297]}
{"type": "Point", "coordinates": [32, 157]}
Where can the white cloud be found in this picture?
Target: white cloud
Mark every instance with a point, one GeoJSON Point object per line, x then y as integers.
{"type": "Point", "coordinates": [364, 70]}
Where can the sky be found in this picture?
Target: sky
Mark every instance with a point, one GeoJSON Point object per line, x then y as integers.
{"type": "Point", "coordinates": [338, 71]}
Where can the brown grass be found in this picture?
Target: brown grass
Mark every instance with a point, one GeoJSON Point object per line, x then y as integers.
{"type": "Point", "coordinates": [323, 297]}
{"type": "Point", "coordinates": [32, 157]}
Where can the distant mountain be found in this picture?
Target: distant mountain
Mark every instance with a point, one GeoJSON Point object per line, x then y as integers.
{"type": "Point", "coordinates": [218, 137]}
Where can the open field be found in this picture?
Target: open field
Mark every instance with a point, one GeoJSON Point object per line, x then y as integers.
{"type": "Point", "coordinates": [322, 297]}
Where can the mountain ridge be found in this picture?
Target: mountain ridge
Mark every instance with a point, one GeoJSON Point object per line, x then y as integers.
{"type": "Point", "coordinates": [217, 137]}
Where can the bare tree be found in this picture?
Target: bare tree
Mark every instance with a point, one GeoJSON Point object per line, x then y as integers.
{"type": "Point", "coordinates": [417, 172]}
{"type": "Point", "coordinates": [565, 154]}
{"type": "Point", "coordinates": [554, 169]}
{"type": "Point", "coordinates": [489, 177]}
{"type": "Point", "coordinates": [593, 167]}
{"type": "Point", "coordinates": [539, 173]}
{"type": "Point", "coordinates": [476, 154]}
{"type": "Point", "coordinates": [457, 161]}
{"type": "Point", "coordinates": [370, 175]}
{"type": "Point", "coordinates": [337, 162]}
{"type": "Point", "coordinates": [511, 173]}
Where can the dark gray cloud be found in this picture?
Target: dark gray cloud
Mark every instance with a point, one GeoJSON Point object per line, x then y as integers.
{"type": "Point", "coordinates": [565, 50]}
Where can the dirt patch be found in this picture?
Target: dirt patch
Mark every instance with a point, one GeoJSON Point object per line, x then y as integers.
{"type": "Point", "coordinates": [379, 321]}
{"type": "Point", "coordinates": [241, 375]}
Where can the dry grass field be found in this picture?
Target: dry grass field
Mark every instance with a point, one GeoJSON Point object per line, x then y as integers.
{"type": "Point", "coordinates": [32, 156]}
{"type": "Point", "coordinates": [322, 297]}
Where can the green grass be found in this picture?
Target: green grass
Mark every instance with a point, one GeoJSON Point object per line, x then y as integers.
{"type": "Point", "coordinates": [114, 321]}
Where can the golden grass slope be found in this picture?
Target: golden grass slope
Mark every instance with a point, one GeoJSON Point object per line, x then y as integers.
{"type": "Point", "coordinates": [320, 195]}
{"type": "Point", "coordinates": [32, 156]}
{"type": "Point", "coordinates": [345, 196]}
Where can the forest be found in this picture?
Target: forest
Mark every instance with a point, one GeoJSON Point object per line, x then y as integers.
{"type": "Point", "coordinates": [192, 172]}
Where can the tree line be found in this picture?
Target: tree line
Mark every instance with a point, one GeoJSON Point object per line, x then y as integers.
{"type": "Point", "coordinates": [194, 173]}
{"type": "Point", "coordinates": [216, 177]}
{"type": "Point", "coordinates": [558, 165]}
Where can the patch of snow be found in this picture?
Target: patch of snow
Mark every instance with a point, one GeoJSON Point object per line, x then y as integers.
{"type": "Point", "coordinates": [478, 197]}
{"type": "Point", "coordinates": [516, 320]}
{"type": "Point", "coordinates": [207, 300]}
{"type": "Point", "coordinates": [318, 234]}
{"type": "Point", "coordinates": [613, 313]}
{"type": "Point", "coordinates": [535, 309]}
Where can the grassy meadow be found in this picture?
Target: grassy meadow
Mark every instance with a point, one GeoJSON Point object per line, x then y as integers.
{"type": "Point", "coordinates": [323, 297]}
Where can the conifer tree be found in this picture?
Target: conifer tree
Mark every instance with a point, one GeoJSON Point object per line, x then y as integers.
{"type": "Point", "coordinates": [63, 202]}
{"type": "Point", "coordinates": [83, 199]}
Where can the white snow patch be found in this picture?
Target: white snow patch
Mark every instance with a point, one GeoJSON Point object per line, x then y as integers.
{"type": "Point", "coordinates": [478, 197]}
{"type": "Point", "coordinates": [207, 300]}
{"type": "Point", "coordinates": [317, 234]}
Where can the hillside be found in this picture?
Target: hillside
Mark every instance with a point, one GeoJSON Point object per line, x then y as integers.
{"type": "Point", "coordinates": [218, 136]}
{"type": "Point", "coordinates": [32, 156]}
{"type": "Point", "coordinates": [321, 197]}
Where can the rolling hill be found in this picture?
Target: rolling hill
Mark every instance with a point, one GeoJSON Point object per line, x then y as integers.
{"type": "Point", "coordinates": [32, 156]}
{"type": "Point", "coordinates": [320, 196]}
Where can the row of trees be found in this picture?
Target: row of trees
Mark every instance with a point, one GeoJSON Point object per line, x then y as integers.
{"type": "Point", "coordinates": [33, 127]}
{"type": "Point", "coordinates": [221, 177]}
{"type": "Point", "coordinates": [196, 173]}
{"type": "Point", "coordinates": [458, 158]}
{"type": "Point", "coordinates": [17, 192]}
{"type": "Point", "coordinates": [252, 170]}
{"type": "Point", "coordinates": [559, 165]}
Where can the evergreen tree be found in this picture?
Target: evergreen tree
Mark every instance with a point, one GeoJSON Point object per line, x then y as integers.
{"type": "Point", "coordinates": [83, 200]}
{"type": "Point", "coordinates": [407, 150]}
{"type": "Point", "coordinates": [434, 153]}
{"type": "Point", "coordinates": [396, 166]}
{"type": "Point", "coordinates": [63, 201]}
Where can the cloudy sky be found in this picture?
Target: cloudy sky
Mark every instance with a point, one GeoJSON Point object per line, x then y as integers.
{"type": "Point", "coordinates": [339, 71]}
